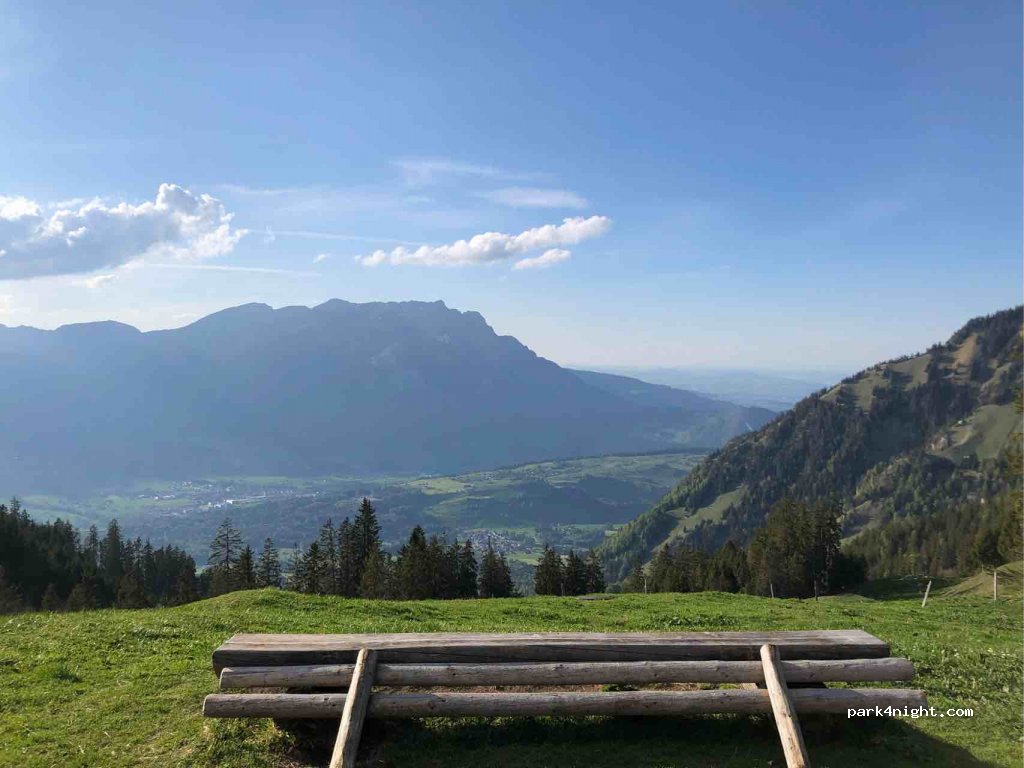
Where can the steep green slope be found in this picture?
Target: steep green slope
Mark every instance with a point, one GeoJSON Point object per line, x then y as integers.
{"type": "Point", "coordinates": [124, 688]}
{"type": "Point", "coordinates": [903, 437]}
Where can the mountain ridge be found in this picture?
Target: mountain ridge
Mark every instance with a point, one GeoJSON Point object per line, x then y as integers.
{"type": "Point", "coordinates": [903, 437]}
{"type": "Point", "coordinates": [339, 387]}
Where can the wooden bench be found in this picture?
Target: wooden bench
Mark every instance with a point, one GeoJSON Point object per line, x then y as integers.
{"type": "Point", "coordinates": [766, 662]}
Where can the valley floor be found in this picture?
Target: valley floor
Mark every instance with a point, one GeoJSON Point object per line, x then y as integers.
{"type": "Point", "coordinates": [124, 688]}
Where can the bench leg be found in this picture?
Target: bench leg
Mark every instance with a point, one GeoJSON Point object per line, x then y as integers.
{"type": "Point", "coordinates": [354, 713]}
{"type": "Point", "coordinates": [782, 706]}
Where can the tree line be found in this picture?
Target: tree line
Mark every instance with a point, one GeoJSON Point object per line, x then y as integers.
{"type": "Point", "coordinates": [796, 553]}
{"type": "Point", "coordinates": [572, 575]}
{"type": "Point", "coordinates": [49, 566]}
{"type": "Point", "coordinates": [348, 559]}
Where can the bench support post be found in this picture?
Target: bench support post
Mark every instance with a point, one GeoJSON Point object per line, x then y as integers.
{"type": "Point", "coordinates": [782, 706]}
{"type": "Point", "coordinates": [352, 717]}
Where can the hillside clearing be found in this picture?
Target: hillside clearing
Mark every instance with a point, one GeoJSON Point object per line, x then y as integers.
{"type": "Point", "coordinates": [118, 688]}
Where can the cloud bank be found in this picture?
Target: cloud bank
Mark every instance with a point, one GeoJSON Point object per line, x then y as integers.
{"type": "Point", "coordinates": [37, 240]}
{"type": "Point", "coordinates": [545, 260]}
{"type": "Point", "coordinates": [491, 247]}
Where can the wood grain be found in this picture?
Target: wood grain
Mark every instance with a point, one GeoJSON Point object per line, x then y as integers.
{"type": "Point", "coordinates": [346, 747]}
{"type": "Point", "coordinates": [407, 705]}
{"type": "Point", "coordinates": [784, 709]}
{"type": "Point", "coordinates": [569, 673]}
{"type": "Point", "coordinates": [297, 649]}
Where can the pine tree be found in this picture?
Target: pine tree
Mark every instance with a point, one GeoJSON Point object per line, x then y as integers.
{"type": "Point", "coordinates": [112, 556]}
{"type": "Point", "coordinates": [224, 551]}
{"type": "Point", "coordinates": [130, 593]}
{"type": "Point", "coordinates": [51, 600]}
{"type": "Point", "coordinates": [547, 578]}
{"type": "Point", "coordinates": [296, 578]}
{"type": "Point", "coordinates": [185, 587]}
{"type": "Point", "coordinates": [245, 569]}
{"type": "Point", "coordinates": [82, 597]}
{"type": "Point", "coordinates": [593, 574]}
{"type": "Point", "coordinates": [312, 569]}
{"type": "Point", "coordinates": [413, 576]}
{"type": "Point", "coordinates": [366, 530]}
{"type": "Point", "coordinates": [268, 570]}
{"type": "Point", "coordinates": [467, 571]}
{"type": "Point", "coordinates": [637, 579]}
{"type": "Point", "coordinates": [348, 559]}
{"type": "Point", "coordinates": [495, 575]}
{"type": "Point", "coordinates": [377, 577]}
{"type": "Point", "coordinates": [331, 584]}
{"type": "Point", "coordinates": [574, 577]}
{"type": "Point", "coordinates": [10, 595]}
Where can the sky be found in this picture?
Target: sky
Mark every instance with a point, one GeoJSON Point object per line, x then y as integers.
{"type": "Point", "coordinates": [747, 185]}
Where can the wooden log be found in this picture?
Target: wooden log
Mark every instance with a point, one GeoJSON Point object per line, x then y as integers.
{"type": "Point", "coordinates": [782, 707]}
{"type": "Point", "coordinates": [347, 744]}
{"type": "Point", "coordinates": [267, 650]}
{"type": "Point", "coordinates": [571, 673]}
{"type": "Point", "coordinates": [406, 705]}
{"type": "Point", "coordinates": [927, 590]}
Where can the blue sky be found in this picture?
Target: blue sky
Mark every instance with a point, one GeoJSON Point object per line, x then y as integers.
{"type": "Point", "coordinates": [775, 185]}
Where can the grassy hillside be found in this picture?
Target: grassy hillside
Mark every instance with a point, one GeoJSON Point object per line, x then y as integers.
{"type": "Point", "coordinates": [124, 688]}
{"type": "Point", "coordinates": [1009, 578]}
{"type": "Point", "coordinates": [904, 438]}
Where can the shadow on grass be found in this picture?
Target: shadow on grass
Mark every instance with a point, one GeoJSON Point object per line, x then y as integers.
{"type": "Point", "coordinates": [725, 741]}
{"type": "Point", "coordinates": [903, 587]}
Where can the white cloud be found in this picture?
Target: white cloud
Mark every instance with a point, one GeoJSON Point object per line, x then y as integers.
{"type": "Point", "coordinates": [419, 171]}
{"type": "Point", "coordinates": [536, 197]}
{"type": "Point", "coordinates": [97, 235]}
{"type": "Point", "coordinates": [320, 257]}
{"type": "Point", "coordinates": [545, 260]}
{"type": "Point", "coordinates": [492, 247]}
{"type": "Point", "coordinates": [96, 281]}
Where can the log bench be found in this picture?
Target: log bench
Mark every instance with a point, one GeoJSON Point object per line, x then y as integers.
{"type": "Point", "coordinates": [765, 662]}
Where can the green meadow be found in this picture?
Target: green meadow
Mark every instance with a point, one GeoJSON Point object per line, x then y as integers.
{"type": "Point", "coordinates": [124, 688]}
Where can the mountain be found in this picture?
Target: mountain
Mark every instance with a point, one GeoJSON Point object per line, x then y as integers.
{"type": "Point", "coordinates": [775, 390]}
{"type": "Point", "coordinates": [908, 437]}
{"type": "Point", "coordinates": [339, 388]}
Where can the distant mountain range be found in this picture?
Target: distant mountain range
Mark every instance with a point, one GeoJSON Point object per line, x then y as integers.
{"type": "Point", "coordinates": [908, 437]}
{"type": "Point", "coordinates": [339, 388]}
{"type": "Point", "coordinates": [776, 390]}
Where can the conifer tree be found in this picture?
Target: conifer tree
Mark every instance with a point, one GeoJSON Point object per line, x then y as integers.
{"type": "Point", "coordinates": [82, 597]}
{"type": "Point", "coordinates": [414, 579]}
{"type": "Point", "coordinates": [130, 593]}
{"type": "Point", "coordinates": [467, 571]}
{"type": "Point", "coordinates": [547, 578]}
{"type": "Point", "coordinates": [331, 568]}
{"type": "Point", "coordinates": [224, 551]}
{"type": "Point", "coordinates": [377, 577]}
{"type": "Point", "coordinates": [112, 555]}
{"type": "Point", "coordinates": [574, 577]}
{"type": "Point", "coordinates": [366, 532]}
{"type": "Point", "coordinates": [10, 595]}
{"type": "Point", "coordinates": [51, 600]}
{"type": "Point", "coordinates": [593, 574]}
{"type": "Point", "coordinates": [245, 570]}
{"type": "Point", "coordinates": [495, 575]}
{"type": "Point", "coordinates": [348, 559]}
{"type": "Point", "coordinates": [268, 569]}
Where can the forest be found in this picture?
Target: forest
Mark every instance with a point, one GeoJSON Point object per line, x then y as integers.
{"type": "Point", "coordinates": [50, 567]}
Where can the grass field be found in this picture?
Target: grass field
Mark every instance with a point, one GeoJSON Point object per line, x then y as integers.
{"type": "Point", "coordinates": [120, 688]}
